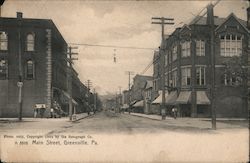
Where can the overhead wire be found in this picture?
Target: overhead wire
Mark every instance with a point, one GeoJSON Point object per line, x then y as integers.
{"type": "Point", "coordinates": [112, 46]}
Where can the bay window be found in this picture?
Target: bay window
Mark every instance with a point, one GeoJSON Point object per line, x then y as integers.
{"type": "Point", "coordinates": [230, 45]}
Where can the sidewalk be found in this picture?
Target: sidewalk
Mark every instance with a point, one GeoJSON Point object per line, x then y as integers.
{"type": "Point", "coordinates": [150, 116]}
{"type": "Point", "coordinates": [158, 117]}
{"type": "Point", "coordinates": [75, 117]}
{"type": "Point", "coordinates": [202, 123]}
{"type": "Point", "coordinates": [33, 119]}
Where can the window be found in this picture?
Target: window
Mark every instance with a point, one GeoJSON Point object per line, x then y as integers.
{"type": "Point", "coordinates": [166, 78]}
{"type": "Point", "coordinates": [200, 75]}
{"type": "Point", "coordinates": [230, 45]}
{"type": "Point", "coordinates": [154, 85]}
{"type": "Point", "coordinates": [185, 49]}
{"type": "Point", "coordinates": [30, 44]}
{"type": "Point", "coordinates": [166, 59]}
{"type": "Point", "coordinates": [232, 79]}
{"type": "Point", "coordinates": [30, 69]}
{"type": "Point", "coordinates": [174, 79]}
{"type": "Point", "coordinates": [185, 76]}
{"type": "Point", "coordinates": [3, 69]}
{"type": "Point", "coordinates": [174, 53]}
{"type": "Point", "coordinates": [3, 41]}
{"type": "Point", "coordinates": [200, 48]}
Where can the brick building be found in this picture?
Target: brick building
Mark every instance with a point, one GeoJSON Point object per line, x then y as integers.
{"type": "Point", "coordinates": [42, 51]}
{"type": "Point", "coordinates": [137, 92]}
{"type": "Point", "coordinates": [188, 66]}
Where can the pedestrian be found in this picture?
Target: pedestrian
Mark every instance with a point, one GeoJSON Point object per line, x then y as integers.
{"type": "Point", "coordinates": [174, 112]}
{"type": "Point", "coordinates": [51, 113]}
{"type": "Point", "coordinates": [35, 111]}
{"type": "Point", "coordinates": [42, 110]}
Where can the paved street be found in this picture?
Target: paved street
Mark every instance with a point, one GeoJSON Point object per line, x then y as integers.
{"type": "Point", "coordinates": [157, 140]}
{"type": "Point", "coordinates": [118, 123]}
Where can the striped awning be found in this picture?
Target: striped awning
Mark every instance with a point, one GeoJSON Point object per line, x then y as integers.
{"type": "Point", "coordinates": [171, 98]}
{"type": "Point", "coordinates": [138, 104]}
{"type": "Point", "coordinates": [184, 97]}
{"type": "Point", "coordinates": [201, 98]}
{"type": "Point", "coordinates": [125, 106]}
{"type": "Point", "coordinates": [158, 100]}
{"type": "Point", "coordinates": [68, 96]}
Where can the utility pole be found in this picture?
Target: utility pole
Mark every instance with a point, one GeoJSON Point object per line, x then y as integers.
{"type": "Point", "coordinates": [70, 74]}
{"type": "Point", "coordinates": [94, 100]}
{"type": "Point", "coordinates": [210, 16]}
{"type": "Point", "coordinates": [163, 22]}
{"type": "Point", "coordinates": [129, 73]}
{"type": "Point", "coordinates": [120, 98]}
{"type": "Point", "coordinates": [89, 86]}
{"type": "Point", "coordinates": [20, 76]}
{"type": "Point", "coordinates": [116, 102]}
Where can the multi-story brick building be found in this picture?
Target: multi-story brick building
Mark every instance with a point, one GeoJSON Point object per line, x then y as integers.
{"type": "Point", "coordinates": [34, 52]}
{"type": "Point", "coordinates": [188, 66]}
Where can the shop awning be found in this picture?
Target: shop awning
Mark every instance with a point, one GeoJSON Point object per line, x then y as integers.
{"type": "Point", "coordinates": [76, 103]}
{"type": "Point", "coordinates": [158, 100]}
{"type": "Point", "coordinates": [65, 94]}
{"type": "Point", "coordinates": [133, 102]}
{"type": "Point", "coordinates": [125, 106]}
{"type": "Point", "coordinates": [138, 104]}
{"type": "Point", "coordinates": [171, 98]}
{"type": "Point", "coordinates": [68, 96]}
{"type": "Point", "coordinates": [201, 98]}
{"type": "Point", "coordinates": [184, 97]}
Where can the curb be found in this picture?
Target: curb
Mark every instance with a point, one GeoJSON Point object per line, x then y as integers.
{"type": "Point", "coordinates": [82, 118]}
{"type": "Point", "coordinates": [146, 117]}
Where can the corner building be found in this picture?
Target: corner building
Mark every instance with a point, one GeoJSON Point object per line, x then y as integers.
{"type": "Point", "coordinates": [188, 70]}
{"type": "Point", "coordinates": [43, 53]}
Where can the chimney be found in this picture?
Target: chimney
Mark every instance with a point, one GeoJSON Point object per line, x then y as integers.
{"type": "Point", "coordinates": [19, 15]}
{"type": "Point", "coordinates": [248, 17]}
{"type": "Point", "coordinates": [210, 14]}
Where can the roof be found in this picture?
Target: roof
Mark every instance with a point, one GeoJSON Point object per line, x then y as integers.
{"type": "Point", "coordinates": [199, 20]}
{"type": "Point", "coordinates": [241, 22]}
{"type": "Point", "coordinates": [140, 81]}
{"type": "Point", "coordinates": [44, 23]}
{"type": "Point", "coordinates": [149, 84]}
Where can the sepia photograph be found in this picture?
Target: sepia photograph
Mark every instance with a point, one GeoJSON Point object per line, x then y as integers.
{"type": "Point", "coordinates": [124, 81]}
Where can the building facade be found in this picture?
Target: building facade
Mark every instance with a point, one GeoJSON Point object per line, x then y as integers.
{"type": "Point", "coordinates": [137, 92]}
{"type": "Point", "coordinates": [188, 68]}
{"type": "Point", "coordinates": [34, 52]}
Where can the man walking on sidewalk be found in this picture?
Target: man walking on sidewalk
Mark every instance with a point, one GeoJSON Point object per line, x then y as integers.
{"type": "Point", "coordinates": [174, 112]}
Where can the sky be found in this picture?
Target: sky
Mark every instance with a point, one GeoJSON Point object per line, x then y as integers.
{"type": "Point", "coordinates": [116, 23]}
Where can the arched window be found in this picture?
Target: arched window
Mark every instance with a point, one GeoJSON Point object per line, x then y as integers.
{"type": "Point", "coordinates": [30, 69]}
{"type": "Point", "coordinates": [3, 41]}
{"type": "Point", "coordinates": [30, 42]}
